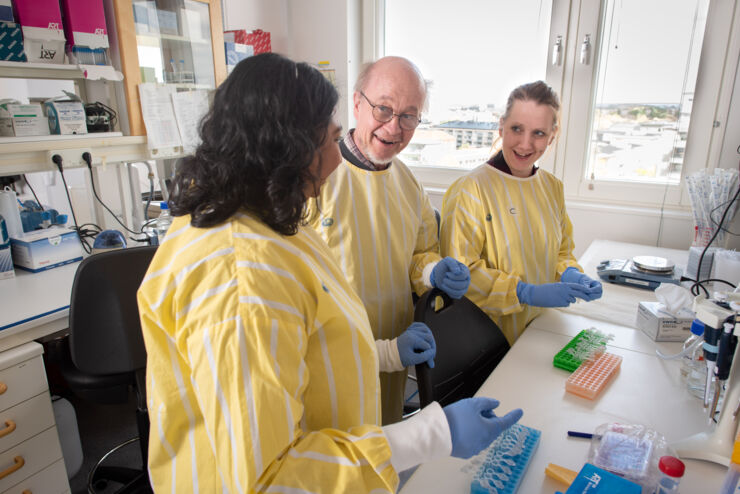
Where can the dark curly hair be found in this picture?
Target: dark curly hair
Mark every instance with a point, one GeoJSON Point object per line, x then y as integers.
{"type": "Point", "coordinates": [266, 123]}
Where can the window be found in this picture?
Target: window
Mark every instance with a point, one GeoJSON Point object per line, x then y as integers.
{"type": "Point", "coordinates": [640, 109]}
{"type": "Point", "coordinates": [471, 65]}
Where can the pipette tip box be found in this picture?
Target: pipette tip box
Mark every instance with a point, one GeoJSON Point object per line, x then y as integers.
{"type": "Point", "coordinates": [505, 461]}
{"type": "Point", "coordinates": [592, 376]}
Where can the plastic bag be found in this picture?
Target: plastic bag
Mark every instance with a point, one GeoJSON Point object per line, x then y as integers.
{"type": "Point", "coordinates": [629, 450]}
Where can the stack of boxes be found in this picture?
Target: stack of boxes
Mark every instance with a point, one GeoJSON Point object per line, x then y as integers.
{"type": "Point", "coordinates": [240, 44]}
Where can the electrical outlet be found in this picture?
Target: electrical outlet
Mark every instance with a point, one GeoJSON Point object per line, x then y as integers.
{"type": "Point", "coordinates": [71, 158]}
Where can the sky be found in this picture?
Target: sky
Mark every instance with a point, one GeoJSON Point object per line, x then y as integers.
{"type": "Point", "coordinates": [477, 51]}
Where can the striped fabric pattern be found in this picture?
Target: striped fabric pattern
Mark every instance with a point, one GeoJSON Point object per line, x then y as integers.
{"type": "Point", "coordinates": [382, 231]}
{"type": "Point", "coordinates": [262, 374]}
{"type": "Point", "coordinates": [507, 229]}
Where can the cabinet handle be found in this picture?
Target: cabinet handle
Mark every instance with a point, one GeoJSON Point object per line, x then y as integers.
{"type": "Point", "coordinates": [3, 387]}
{"type": "Point", "coordinates": [18, 463]}
{"type": "Point", "coordinates": [9, 427]}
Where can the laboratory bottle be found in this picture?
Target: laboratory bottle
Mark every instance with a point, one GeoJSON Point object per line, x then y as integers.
{"type": "Point", "coordinates": [671, 471]}
{"type": "Point", "coordinates": [694, 340]}
{"type": "Point", "coordinates": [164, 220]}
{"type": "Point", "coordinates": [696, 377]}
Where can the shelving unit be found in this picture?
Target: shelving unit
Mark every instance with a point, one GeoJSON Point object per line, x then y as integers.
{"type": "Point", "coordinates": [33, 153]}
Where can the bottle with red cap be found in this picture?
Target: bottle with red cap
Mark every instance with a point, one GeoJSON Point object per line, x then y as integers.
{"type": "Point", "coordinates": [671, 471]}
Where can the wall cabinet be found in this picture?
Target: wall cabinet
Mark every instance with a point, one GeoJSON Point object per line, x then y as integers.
{"type": "Point", "coordinates": [178, 42]}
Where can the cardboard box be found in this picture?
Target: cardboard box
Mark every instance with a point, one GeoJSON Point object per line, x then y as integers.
{"type": "Point", "coordinates": [84, 23]}
{"type": "Point", "coordinates": [66, 117]}
{"type": "Point", "coordinates": [45, 249]}
{"type": "Point", "coordinates": [235, 53]}
{"type": "Point", "coordinates": [258, 39]}
{"type": "Point", "coordinates": [43, 35]}
{"type": "Point", "coordinates": [22, 120]}
{"type": "Point", "coordinates": [11, 42]}
{"type": "Point", "coordinates": [6, 11]}
{"type": "Point", "coordinates": [662, 326]}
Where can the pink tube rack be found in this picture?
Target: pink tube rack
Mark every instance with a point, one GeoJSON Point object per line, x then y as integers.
{"type": "Point", "coordinates": [591, 377]}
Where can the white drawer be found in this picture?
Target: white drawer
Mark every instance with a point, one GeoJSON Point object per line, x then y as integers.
{"type": "Point", "coordinates": [22, 381]}
{"type": "Point", "coordinates": [50, 480]}
{"type": "Point", "coordinates": [25, 420]}
{"type": "Point", "coordinates": [37, 453]}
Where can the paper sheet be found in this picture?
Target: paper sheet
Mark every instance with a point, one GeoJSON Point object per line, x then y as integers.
{"type": "Point", "coordinates": [159, 116]}
{"type": "Point", "coordinates": [190, 106]}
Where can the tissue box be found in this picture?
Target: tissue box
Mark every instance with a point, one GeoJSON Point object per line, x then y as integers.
{"type": "Point", "coordinates": [661, 326]}
{"type": "Point", "coordinates": [22, 120]}
{"type": "Point", "coordinates": [45, 249]}
{"type": "Point", "coordinates": [594, 480]}
{"type": "Point", "coordinates": [66, 117]}
{"type": "Point", "coordinates": [11, 42]}
{"type": "Point", "coordinates": [41, 23]}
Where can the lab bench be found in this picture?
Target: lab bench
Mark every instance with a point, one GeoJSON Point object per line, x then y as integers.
{"type": "Point", "coordinates": [34, 305]}
{"type": "Point", "coordinates": [646, 390]}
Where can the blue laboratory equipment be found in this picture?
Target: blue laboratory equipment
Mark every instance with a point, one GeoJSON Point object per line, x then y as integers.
{"type": "Point", "coordinates": [503, 463]}
{"type": "Point", "coordinates": [34, 217]}
{"type": "Point", "coordinates": [108, 240]}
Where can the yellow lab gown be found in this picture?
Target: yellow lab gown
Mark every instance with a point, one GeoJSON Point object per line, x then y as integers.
{"type": "Point", "coordinates": [507, 229]}
{"type": "Point", "coordinates": [262, 371]}
{"type": "Point", "coordinates": [382, 231]}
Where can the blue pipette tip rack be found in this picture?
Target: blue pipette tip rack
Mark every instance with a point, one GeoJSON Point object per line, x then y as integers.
{"type": "Point", "coordinates": [505, 461]}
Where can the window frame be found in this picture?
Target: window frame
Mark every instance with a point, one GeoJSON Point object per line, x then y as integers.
{"type": "Point", "coordinates": [571, 20]}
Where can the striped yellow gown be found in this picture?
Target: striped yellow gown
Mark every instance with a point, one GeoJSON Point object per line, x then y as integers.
{"type": "Point", "coordinates": [507, 229]}
{"type": "Point", "coordinates": [382, 231]}
{"type": "Point", "coordinates": [262, 373]}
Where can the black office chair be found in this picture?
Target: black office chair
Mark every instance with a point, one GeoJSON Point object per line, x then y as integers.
{"type": "Point", "coordinates": [106, 349]}
{"type": "Point", "coordinates": [469, 346]}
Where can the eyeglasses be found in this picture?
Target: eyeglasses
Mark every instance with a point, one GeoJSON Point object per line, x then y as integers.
{"type": "Point", "coordinates": [384, 114]}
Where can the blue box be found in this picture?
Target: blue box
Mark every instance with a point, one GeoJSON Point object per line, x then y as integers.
{"type": "Point", "coordinates": [45, 249]}
{"type": "Point", "coordinates": [11, 42]}
{"type": "Point", "coordinates": [594, 480]}
{"type": "Point", "coordinates": [6, 11]}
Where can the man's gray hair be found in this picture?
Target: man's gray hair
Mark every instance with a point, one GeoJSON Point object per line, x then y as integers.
{"type": "Point", "coordinates": [366, 71]}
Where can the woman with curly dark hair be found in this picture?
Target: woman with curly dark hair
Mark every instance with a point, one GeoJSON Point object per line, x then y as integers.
{"type": "Point", "coordinates": [261, 365]}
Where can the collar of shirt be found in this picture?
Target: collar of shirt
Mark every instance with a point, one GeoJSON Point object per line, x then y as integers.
{"type": "Point", "coordinates": [360, 160]}
{"type": "Point", "coordinates": [499, 162]}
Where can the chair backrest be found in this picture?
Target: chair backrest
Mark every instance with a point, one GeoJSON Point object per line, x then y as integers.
{"type": "Point", "coordinates": [104, 329]}
{"type": "Point", "coordinates": [469, 346]}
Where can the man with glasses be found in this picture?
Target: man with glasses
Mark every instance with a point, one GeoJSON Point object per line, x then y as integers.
{"type": "Point", "coordinates": [379, 222]}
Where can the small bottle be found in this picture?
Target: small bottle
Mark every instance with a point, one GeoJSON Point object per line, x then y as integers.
{"type": "Point", "coordinates": [164, 220]}
{"type": "Point", "coordinates": [696, 336]}
{"type": "Point", "coordinates": [671, 471]}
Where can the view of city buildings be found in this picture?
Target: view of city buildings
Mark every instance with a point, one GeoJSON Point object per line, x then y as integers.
{"type": "Point", "coordinates": [628, 141]}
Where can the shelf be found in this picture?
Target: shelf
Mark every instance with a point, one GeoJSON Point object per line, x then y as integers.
{"type": "Point", "coordinates": [32, 154]}
{"type": "Point", "coordinates": [150, 39]}
{"type": "Point", "coordinates": [32, 70]}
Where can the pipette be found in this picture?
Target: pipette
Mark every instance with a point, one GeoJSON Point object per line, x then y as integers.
{"type": "Point", "coordinates": [727, 344]}
{"type": "Point", "coordinates": [711, 349]}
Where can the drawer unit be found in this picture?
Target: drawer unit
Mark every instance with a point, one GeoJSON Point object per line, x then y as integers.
{"type": "Point", "coordinates": [44, 482]}
{"type": "Point", "coordinates": [30, 452]}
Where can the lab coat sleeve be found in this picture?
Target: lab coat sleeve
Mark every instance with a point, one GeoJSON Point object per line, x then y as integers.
{"type": "Point", "coordinates": [389, 360]}
{"type": "Point", "coordinates": [252, 407]}
{"type": "Point", "coordinates": [566, 258]}
{"type": "Point", "coordinates": [426, 250]}
{"type": "Point", "coordinates": [463, 236]}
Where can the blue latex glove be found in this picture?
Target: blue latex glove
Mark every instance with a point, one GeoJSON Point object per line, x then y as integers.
{"type": "Point", "coordinates": [572, 275]}
{"type": "Point", "coordinates": [473, 425]}
{"type": "Point", "coordinates": [416, 345]}
{"type": "Point", "coordinates": [451, 276]}
{"type": "Point", "coordinates": [550, 294]}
